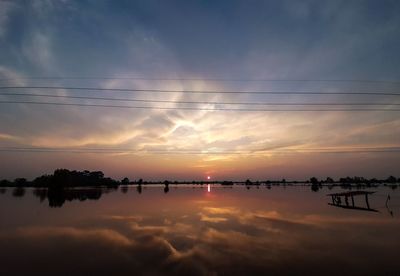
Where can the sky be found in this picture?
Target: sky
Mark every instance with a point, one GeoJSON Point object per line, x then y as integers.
{"type": "Point", "coordinates": [280, 46]}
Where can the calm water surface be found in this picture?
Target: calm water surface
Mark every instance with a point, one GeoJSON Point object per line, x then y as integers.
{"type": "Point", "coordinates": [196, 231]}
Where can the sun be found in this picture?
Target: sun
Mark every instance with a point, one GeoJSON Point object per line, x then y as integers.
{"type": "Point", "coordinates": [208, 177]}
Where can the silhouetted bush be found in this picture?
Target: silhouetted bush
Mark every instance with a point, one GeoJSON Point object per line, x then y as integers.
{"type": "Point", "coordinates": [125, 181]}
{"type": "Point", "coordinates": [315, 184]}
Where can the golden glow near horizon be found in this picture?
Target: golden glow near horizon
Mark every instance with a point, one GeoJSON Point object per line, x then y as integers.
{"type": "Point", "coordinates": [181, 143]}
{"type": "Point", "coordinates": [184, 144]}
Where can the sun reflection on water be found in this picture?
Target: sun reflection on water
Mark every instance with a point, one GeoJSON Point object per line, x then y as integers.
{"type": "Point", "coordinates": [193, 233]}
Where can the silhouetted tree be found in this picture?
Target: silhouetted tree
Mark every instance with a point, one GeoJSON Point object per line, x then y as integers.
{"type": "Point", "coordinates": [125, 181]}
{"type": "Point", "coordinates": [97, 175]}
{"type": "Point", "coordinates": [61, 177]}
{"type": "Point", "coordinates": [20, 182]}
{"type": "Point", "coordinates": [43, 181]}
{"type": "Point", "coordinates": [329, 180]}
{"type": "Point", "coordinates": [314, 184]}
{"type": "Point", "coordinates": [5, 183]}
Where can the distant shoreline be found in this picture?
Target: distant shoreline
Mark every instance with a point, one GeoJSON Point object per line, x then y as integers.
{"type": "Point", "coordinates": [63, 178]}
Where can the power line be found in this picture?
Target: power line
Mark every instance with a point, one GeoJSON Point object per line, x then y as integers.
{"type": "Point", "coordinates": [205, 79]}
{"type": "Point", "coordinates": [195, 102]}
{"type": "Point", "coordinates": [199, 152]}
{"type": "Point", "coordinates": [199, 109]}
{"type": "Point", "coordinates": [196, 149]}
{"type": "Point", "coordinates": [201, 91]}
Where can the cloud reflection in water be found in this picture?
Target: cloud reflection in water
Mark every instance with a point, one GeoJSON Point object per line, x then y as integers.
{"type": "Point", "coordinates": [211, 238]}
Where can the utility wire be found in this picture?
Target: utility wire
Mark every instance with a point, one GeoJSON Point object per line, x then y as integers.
{"type": "Point", "coordinates": [197, 152]}
{"type": "Point", "coordinates": [392, 148]}
{"type": "Point", "coordinates": [201, 91]}
{"type": "Point", "coordinates": [205, 79]}
{"type": "Point", "coordinates": [192, 102]}
{"type": "Point", "coordinates": [200, 109]}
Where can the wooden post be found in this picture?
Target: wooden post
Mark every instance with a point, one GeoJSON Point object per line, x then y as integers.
{"type": "Point", "coordinates": [366, 201]}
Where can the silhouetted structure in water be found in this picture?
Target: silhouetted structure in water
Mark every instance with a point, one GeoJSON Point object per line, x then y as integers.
{"type": "Point", "coordinates": [342, 200]}
{"type": "Point", "coordinates": [315, 184]}
{"type": "Point", "coordinates": [166, 188]}
{"type": "Point", "coordinates": [139, 188]}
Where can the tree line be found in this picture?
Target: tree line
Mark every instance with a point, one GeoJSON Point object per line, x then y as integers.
{"type": "Point", "coordinates": [67, 178]}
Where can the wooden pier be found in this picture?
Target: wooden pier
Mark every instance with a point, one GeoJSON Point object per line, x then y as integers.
{"type": "Point", "coordinates": [342, 200]}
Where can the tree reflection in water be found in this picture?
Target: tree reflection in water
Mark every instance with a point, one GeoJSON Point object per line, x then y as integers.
{"type": "Point", "coordinates": [58, 196]}
{"type": "Point", "coordinates": [19, 192]}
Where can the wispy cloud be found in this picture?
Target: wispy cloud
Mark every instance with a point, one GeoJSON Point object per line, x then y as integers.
{"type": "Point", "coordinates": [308, 40]}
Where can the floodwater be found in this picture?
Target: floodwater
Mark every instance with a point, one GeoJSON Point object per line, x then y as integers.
{"type": "Point", "coordinates": [195, 230]}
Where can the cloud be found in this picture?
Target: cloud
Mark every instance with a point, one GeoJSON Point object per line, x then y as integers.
{"type": "Point", "coordinates": [38, 51]}
{"type": "Point", "coordinates": [6, 7]}
{"type": "Point", "coordinates": [316, 40]}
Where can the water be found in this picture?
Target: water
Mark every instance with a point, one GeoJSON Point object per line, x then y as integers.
{"type": "Point", "coordinates": [197, 231]}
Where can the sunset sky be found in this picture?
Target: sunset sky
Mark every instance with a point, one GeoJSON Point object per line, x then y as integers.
{"type": "Point", "coordinates": [220, 46]}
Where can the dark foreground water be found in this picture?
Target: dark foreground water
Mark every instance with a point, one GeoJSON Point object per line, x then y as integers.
{"type": "Point", "coordinates": [194, 231]}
